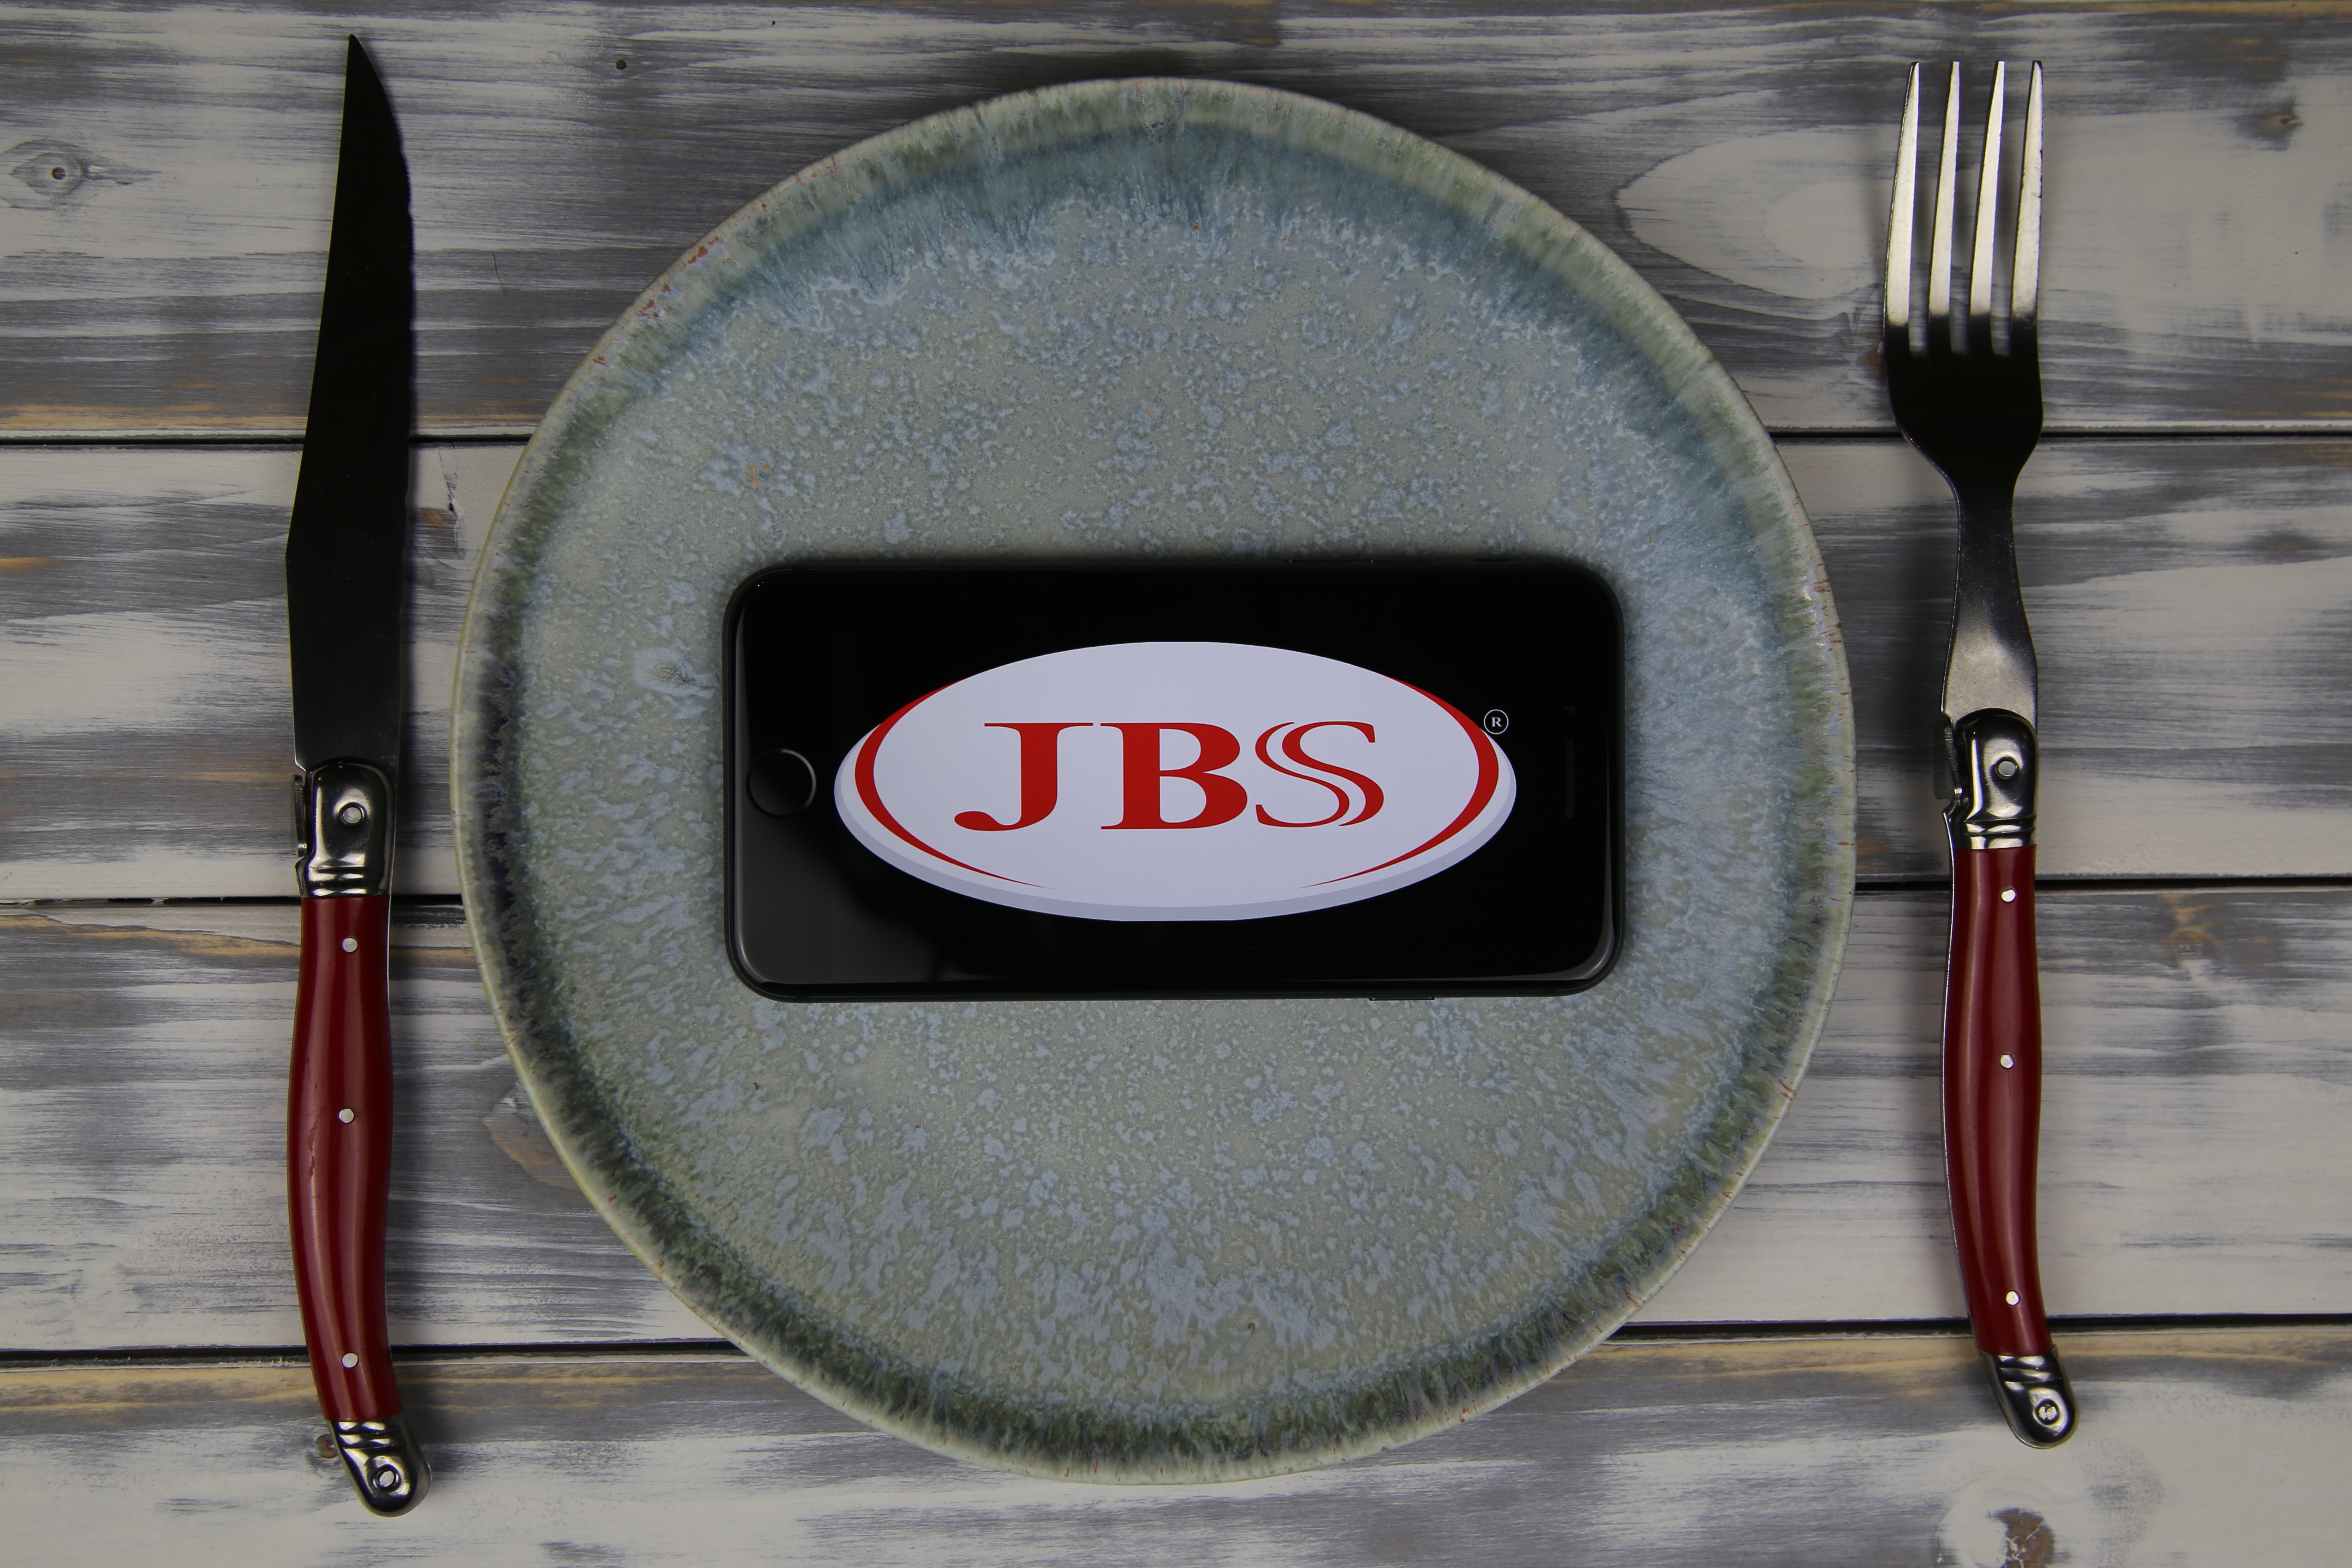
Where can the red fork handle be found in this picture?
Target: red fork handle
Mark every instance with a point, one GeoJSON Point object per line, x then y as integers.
{"type": "Point", "coordinates": [1992, 1095]}
{"type": "Point", "coordinates": [1992, 1134]}
{"type": "Point", "coordinates": [338, 1178]}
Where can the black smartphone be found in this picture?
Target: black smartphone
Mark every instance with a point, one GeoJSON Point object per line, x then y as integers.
{"type": "Point", "coordinates": [1162, 781]}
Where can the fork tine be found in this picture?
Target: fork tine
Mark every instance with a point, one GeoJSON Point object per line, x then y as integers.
{"type": "Point", "coordinates": [1988, 218]}
{"type": "Point", "coordinates": [1904, 219]}
{"type": "Point", "coordinates": [2025, 284]}
{"type": "Point", "coordinates": [1940, 249]}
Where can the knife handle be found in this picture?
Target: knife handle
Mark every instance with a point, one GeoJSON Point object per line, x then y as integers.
{"type": "Point", "coordinates": [338, 1178]}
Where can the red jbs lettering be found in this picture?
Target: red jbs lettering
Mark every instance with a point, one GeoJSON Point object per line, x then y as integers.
{"type": "Point", "coordinates": [1144, 770]}
{"type": "Point", "coordinates": [1041, 778]}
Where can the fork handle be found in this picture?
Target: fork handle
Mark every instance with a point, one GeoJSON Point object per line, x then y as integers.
{"type": "Point", "coordinates": [1992, 1127]}
{"type": "Point", "coordinates": [1993, 1095]}
{"type": "Point", "coordinates": [1993, 1071]}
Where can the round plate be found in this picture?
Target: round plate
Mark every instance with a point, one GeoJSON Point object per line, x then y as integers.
{"type": "Point", "coordinates": [1132, 1240]}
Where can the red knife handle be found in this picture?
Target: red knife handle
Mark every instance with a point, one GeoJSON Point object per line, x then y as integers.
{"type": "Point", "coordinates": [1992, 1095]}
{"type": "Point", "coordinates": [338, 1178]}
{"type": "Point", "coordinates": [339, 1151]}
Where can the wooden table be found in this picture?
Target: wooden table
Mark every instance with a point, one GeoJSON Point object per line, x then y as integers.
{"type": "Point", "coordinates": [1800, 1392]}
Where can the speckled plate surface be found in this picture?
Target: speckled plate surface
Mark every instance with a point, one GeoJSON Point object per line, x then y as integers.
{"type": "Point", "coordinates": [1129, 1240]}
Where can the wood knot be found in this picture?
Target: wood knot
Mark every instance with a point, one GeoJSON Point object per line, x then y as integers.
{"type": "Point", "coordinates": [41, 173]}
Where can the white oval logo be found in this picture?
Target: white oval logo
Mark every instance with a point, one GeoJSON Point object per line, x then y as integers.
{"type": "Point", "coordinates": [1175, 781]}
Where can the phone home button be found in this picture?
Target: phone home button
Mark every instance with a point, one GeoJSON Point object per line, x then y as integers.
{"type": "Point", "coordinates": [781, 783]}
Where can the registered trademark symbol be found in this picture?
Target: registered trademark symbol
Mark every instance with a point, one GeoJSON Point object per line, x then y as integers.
{"type": "Point", "coordinates": [1496, 720]}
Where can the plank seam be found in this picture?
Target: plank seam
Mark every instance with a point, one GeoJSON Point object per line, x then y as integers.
{"type": "Point", "coordinates": [1888, 885]}
{"type": "Point", "coordinates": [1631, 1334]}
{"type": "Point", "coordinates": [1808, 435]}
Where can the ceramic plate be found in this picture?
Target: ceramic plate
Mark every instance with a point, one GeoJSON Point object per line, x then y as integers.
{"type": "Point", "coordinates": [1141, 321]}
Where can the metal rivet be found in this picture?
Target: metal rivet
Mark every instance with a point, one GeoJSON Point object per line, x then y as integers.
{"type": "Point", "coordinates": [350, 1360]}
{"type": "Point", "coordinates": [2009, 1061]}
{"type": "Point", "coordinates": [2046, 1411]}
{"type": "Point", "coordinates": [344, 1114]}
{"type": "Point", "coordinates": [353, 814]}
{"type": "Point", "coordinates": [351, 945]}
{"type": "Point", "coordinates": [2012, 1298]}
{"type": "Point", "coordinates": [2005, 769]}
{"type": "Point", "coordinates": [2009, 895]}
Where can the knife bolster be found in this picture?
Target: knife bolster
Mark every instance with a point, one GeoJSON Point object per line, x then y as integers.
{"type": "Point", "coordinates": [342, 830]}
{"type": "Point", "coordinates": [1994, 770]}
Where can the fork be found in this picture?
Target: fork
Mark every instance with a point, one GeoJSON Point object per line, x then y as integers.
{"type": "Point", "coordinates": [1969, 397]}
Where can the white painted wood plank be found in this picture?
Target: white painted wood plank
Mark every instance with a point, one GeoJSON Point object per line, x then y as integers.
{"type": "Point", "coordinates": [2195, 1449]}
{"type": "Point", "coordinates": [2197, 1080]}
{"type": "Point", "coordinates": [143, 1094]}
{"type": "Point", "coordinates": [2193, 1160]}
{"type": "Point", "coordinates": [166, 172]}
{"type": "Point", "coordinates": [145, 699]}
{"type": "Point", "coordinates": [2192, 605]}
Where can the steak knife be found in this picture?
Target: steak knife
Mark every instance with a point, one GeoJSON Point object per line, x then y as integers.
{"type": "Point", "coordinates": [346, 584]}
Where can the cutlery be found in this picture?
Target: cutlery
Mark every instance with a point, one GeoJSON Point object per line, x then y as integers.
{"type": "Point", "coordinates": [346, 557]}
{"type": "Point", "coordinates": [1971, 402]}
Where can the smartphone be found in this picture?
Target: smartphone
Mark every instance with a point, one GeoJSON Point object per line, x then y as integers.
{"type": "Point", "coordinates": [1364, 779]}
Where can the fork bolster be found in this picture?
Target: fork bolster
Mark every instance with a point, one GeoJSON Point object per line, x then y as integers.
{"type": "Point", "coordinates": [1994, 765]}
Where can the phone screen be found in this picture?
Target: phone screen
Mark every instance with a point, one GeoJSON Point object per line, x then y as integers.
{"type": "Point", "coordinates": [1170, 781]}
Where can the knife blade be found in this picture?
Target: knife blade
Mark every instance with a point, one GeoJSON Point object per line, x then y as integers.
{"type": "Point", "coordinates": [346, 588]}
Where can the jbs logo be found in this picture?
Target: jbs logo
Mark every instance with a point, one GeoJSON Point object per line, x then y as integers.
{"type": "Point", "coordinates": [1175, 781]}
{"type": "Point", "coordinates": [1144, 771]}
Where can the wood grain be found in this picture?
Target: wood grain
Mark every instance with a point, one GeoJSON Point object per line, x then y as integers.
{"type": "Point", "coordinates": [166, 171]}
{"type": "Point", "coordinates": [2192, 605]}
{"type": "Point", "coordinates": [143, 678]}
{"type": "Point", "coordinates": [2193, 1161]}
{"type": "Point", "coordinates": [165, 180]}
{"type": "Point", "coordinates": [2195, 1449]}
